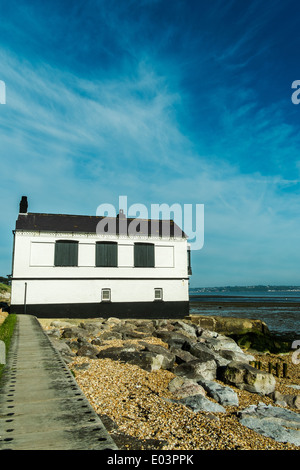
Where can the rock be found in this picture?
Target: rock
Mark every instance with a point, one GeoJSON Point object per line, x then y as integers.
{"type": "Point", "coordinates": [61, 324]}
{"type": "Point", "coordinates": [88, 350]}
{"type": "Point", "coordinates": [130, 333]}
{"type": "Point", "coordinates": [74, 332]}
{"type": "Point", "coordinates": [169, 357]}
{"type": "Point", "coordinates": [197, 369]}
{"type": "Point", "coordinates": [236, 356]}
{"type": "Point", "coordinates": [110, 335]}
{"type": "Point", "coordinates": [200, 403]}
{"type": "Point", "coordinates": [54, 332]}
{"type": "Point", "coordinates": [204, 353]}
{"type": "Point", "coordinates": [91, 327]}
{"type": "Point", "coordinates": [182, 388]}
{"type": "Point", "coordinates": [64, 350]}
{"type": "Point", "coordinates": [278, 423]}
{"type": "Point", "coordinates": [83, 366]}
{"type": "Point", "coordinates": [113, 321]}
{"type": "Point", "coordinates": [181, 355]}
{"type": "Point", "coordinates": [189, 328]}
{"type": "Point", "coordinates": [228, 325]}
{"type": "Point", "coordinates": [292, 401]}
{"type": "Point", "coordinates": [145, 359]}
{"type": "Point", "coordinates": [97, 341]}
{"type": "Point", "coordinates": [222, 394]}
{"type": "Point", "coordinates": [221, 342]}
{"type": "Point", "coordinates": [142, 326]}
{"type": "Point", "coordinates": [174, 338]}
{"type": "Point", "coordinates": [246, 377]}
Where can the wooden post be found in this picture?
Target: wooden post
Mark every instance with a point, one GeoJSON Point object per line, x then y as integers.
{"type": "Point", "coordinates": [284, 370]}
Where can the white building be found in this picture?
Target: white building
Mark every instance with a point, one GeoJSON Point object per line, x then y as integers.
{"type": "Point", "coordinates": [67, 266]}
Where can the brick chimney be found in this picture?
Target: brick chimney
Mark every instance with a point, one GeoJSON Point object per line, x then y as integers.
{"type": "Point", "coordinates": [23, 205]}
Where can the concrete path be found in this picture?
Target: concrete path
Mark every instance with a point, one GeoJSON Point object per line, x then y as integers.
{"type": "Point", "coordinates": [41, 405]}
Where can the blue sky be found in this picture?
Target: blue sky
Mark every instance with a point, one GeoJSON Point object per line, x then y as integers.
{"type": "Point", "coordinates": [164, 101]}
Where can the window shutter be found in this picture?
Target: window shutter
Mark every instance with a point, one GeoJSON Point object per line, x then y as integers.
{"type": "Point", "coordinates": [106, 254]}
{"type": "Point", "coordinates": [66, 253]}
{"type": "Point", "coordinates": [144, 255]}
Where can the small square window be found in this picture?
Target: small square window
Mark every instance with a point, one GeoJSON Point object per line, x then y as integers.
{"type": "Point", "coordinates": [158, 294]}
{"type": "Point", "coordinates": [105, 295]}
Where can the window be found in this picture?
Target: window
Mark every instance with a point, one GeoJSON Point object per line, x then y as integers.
{"type": "Point", "coordinates": [66, 253]}
{"type": "Point", "coordinates": [158, 294]}
{"type": "Point", "coordinates": [106, 254]}
{"type": "Point", "coordinates": [144, 255]}
{"type": "Point", "coordinates": [105, 295]}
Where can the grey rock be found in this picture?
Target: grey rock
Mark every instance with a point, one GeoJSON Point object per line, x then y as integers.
{"type": "Point", "coordinates": [204, 353]}
{"type": "Point", "coordinates": [61, 324]}
{"type": "Point", "coordinates": [186, 327]}
{"type": "Point", "coordinates": [74, 332]}
{"type": "Point", "coordinates": [221, 393]}
{"type": "Point", "coordinates": [110, 335]}
{"type": "Point", "coordinates": [236, 356]}
{"type": "Point", "coordinates": [182, 388]}
{"type": "Point", "coordinates": [292, 401]}
{"type": "Point", "coordinates": [174, 338]}
{"type": "Point", "coordinates": [54, 332]}
{"type": "Point", "coordinates": [64, 350]}
{"type": "Point", "coordinates": [182, 355]}
{"type": "Point", "coordinates": [277, 423]}
{"type": "Point", "coordinates": [197, 369]}
{"type": "Point", "coordinates": [147, 360]}
{"type": "Point", "coordinates": [200, 403]}
{"type": "Point", "coordinates": [88, 350]}
{"type": "Point", "coordinates": [246, 377]}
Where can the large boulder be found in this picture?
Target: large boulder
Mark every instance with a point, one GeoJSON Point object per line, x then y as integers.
{"type": "Point", "coordinates": [87, 350]}
{"type": "Point", "coordinates": [144, 358]}
{"type": "Point", "coordinates": [238, 356]}
{"type": "Point", "coordinates": [246, 377]}
{"type": "Point", "coordinates": [182, 388]}
{"type": "Point", "coordinates": [64, 350]}
{"type": "Point", "coordinates": [221, 393]}
{"type": "Point", "coordinates": [177, 339]}
{"type": "Point", "coordinates": [292, 401]}
{"type": "Point", "coordinates": [204, 353]}
{"type": "Point", "coordinates": [200, 403]}
{"type": "Point", "coordinates": [74, 332]}
{"type": "Point", "coordinates": [181, 355]}
{"type": "Point", "coordinates": [278, 423]}
{"type": "Point", "coordinates": [197, 369]}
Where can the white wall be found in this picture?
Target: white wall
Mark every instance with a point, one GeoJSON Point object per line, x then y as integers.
{"type": "Point", "coordinates": [34, 260]}
{"type": "Point", "coordinates": [89, 291]}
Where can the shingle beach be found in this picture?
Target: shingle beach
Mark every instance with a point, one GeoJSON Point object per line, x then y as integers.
{"type": "Point", "coordinates": [135, 405]}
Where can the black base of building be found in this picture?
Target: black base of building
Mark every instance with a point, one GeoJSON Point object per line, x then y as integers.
{"type": "Point", "coordinates": [105, 310]}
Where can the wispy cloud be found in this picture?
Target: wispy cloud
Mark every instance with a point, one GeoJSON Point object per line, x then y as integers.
{"type": "Point", "coordinates": [162, 105]}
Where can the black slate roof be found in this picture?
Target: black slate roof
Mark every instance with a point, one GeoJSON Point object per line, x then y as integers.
{"type": "Point", "coordinates": [88, 224]}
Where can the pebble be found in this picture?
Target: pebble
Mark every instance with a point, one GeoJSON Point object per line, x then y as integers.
{"type": "Point", "coordinates": [137, 401]}
{"type": "Point", "coordinates": [140, 404]}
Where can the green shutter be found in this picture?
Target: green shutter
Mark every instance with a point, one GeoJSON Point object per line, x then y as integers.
{"type": "Point", "coordinates": [144, 255]}
{"type": "Point", "coordinates": [106, 254]}
{"type": "Point", "coordinates": [66, 253]}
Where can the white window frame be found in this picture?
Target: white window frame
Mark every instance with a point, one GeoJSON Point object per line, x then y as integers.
{"type": "Point", "coordinates": [105, 291]}
{"type": "Point", "coordinates": [160, 291]}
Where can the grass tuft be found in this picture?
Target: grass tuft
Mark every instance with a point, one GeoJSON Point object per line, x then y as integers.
{"type": "Point", "coordinates": [6, 332]}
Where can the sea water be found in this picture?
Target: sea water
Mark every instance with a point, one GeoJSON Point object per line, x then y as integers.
{"type": "Point", "coordinates": [280, 310]}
